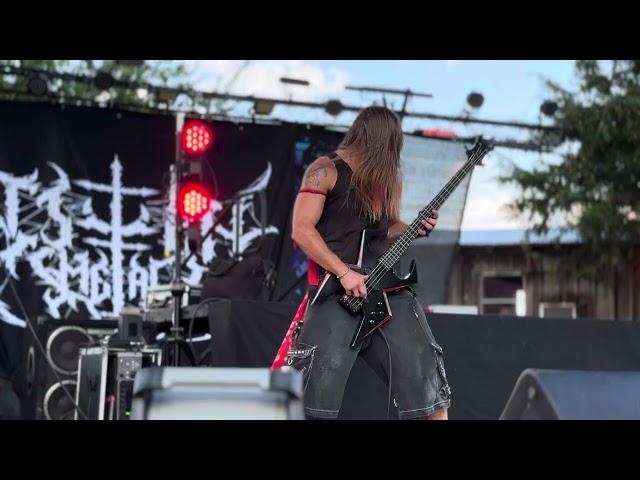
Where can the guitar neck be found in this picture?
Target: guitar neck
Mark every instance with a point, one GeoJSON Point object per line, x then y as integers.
{"type": "Point", "coordinates": [402, 244]}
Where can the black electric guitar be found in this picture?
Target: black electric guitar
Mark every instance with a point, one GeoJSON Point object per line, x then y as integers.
{"type": "Point", "coordinates": [374, 310]}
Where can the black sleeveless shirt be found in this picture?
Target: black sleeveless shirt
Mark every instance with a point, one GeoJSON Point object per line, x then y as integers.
{"type": "Point", "coordinates": [341, 223]}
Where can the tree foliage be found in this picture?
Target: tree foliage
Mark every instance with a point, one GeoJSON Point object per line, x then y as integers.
{"type": "Point", "coordinates": [158, 73]}
{"type": "Point", "coordinates": [596, 186]}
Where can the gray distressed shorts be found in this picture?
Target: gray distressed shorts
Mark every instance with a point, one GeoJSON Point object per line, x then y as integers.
{"type": "Point", "coordinates": [403, 352]}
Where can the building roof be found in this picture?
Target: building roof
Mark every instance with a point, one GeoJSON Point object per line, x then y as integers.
{"type": "Point", "coordinates": [472, 238]}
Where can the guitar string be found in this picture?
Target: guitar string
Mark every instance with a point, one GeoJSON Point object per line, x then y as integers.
{"type": "Point", "coordinates": [403, 241]}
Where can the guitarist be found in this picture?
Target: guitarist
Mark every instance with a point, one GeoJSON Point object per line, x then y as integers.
{"type": "Point", "coordinates": [355, 188]}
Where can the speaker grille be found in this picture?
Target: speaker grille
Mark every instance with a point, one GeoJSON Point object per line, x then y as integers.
{"type": "Point", "coordinates": [63, 347]}
{"type": "Point", "coordinates": [57, 405]}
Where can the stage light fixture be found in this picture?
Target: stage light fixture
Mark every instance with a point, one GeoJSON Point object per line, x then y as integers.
{"type": "Point", "coordinates": [549, 108]}
{"type": "Point", "coordinates": [475, 99]}
{"type": "Point", "coordinates": [294, 81]}
{"type": "Point", "coordinates": [197, 138]}
{"type": "Point", "coordinates": [164, 95]}
{"type": "Point", "coordinates": [37, 86]}
{"type": "Point", "coordinates": [194, 201]}
{"type": "Point", "coordinates": [103, 80]}
{"type": "Point", "coordinates": [263, 108]}
{"type": "Point", "coordinates": [436, 132]}
{"type": "Point", "coordinates": [130, 63]}
{"type": "Point", "coordinates": [334, 107]}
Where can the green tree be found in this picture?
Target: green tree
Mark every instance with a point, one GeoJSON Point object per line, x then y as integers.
{"type": "Point", "coordinates": [160, 73]}
{"type": "Point", "coordinates": [596, 185]}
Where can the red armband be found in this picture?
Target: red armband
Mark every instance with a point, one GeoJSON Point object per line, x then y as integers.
{"type": "Point", "coordinates": [311, 190]}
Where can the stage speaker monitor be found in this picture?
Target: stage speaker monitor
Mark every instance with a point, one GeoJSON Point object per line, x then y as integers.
{"type": "Point", "coordinates": [574, 395]}
{"type": "Point", "coordinates": [105, 380]}
{"type": "Point", "coordinates": [182, 393]}
{"type": "Point", "coordinates": [41, 393]}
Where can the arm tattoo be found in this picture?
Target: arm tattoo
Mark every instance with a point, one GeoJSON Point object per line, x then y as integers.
{"type": "Point", "coordinates": [312, 178]}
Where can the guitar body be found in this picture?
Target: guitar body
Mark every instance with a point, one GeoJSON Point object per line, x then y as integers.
{"type": "Point", "coordinates": [374, 311]}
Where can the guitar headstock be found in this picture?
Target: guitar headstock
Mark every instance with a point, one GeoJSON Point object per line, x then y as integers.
{"type": "Point", "coordinates": [479, 150]}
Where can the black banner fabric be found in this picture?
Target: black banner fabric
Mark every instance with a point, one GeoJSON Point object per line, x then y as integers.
{"type": "Point", "coordinates": [76, 184]}
{"type": "Point", "coordinates": [59, 172]}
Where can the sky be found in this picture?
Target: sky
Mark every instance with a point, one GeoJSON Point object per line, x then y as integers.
{"type": "Point", "coordinates": [513, 90]}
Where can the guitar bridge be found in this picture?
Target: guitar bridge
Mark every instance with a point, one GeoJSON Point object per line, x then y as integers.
{"type": "Point", "coordinates": [351, 304]}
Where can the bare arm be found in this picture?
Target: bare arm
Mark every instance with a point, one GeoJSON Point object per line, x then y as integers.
{"type": "Point", "coordinates": [320, 177]}
{"type": "Point", "coordinates": [318, 181]}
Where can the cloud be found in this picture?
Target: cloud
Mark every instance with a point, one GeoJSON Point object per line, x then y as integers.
{"type": "Point", "coordinates": [488, 199]}
{"type": "Point", "coordinates": [489, 213]}
{"type": "Point", "coordinates": [262, 78]}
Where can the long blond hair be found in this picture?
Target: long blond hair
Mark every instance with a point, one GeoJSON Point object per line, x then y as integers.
{"type": "Point", "coordinates": [376, 133]}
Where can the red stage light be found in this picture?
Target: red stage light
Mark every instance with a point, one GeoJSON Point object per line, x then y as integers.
{"type": "Point", "coordinates": [197, 137]}
{"type": "Point", "coordinates": [194, 201]}
{"type": "Point", "coordinates": [439, 133]}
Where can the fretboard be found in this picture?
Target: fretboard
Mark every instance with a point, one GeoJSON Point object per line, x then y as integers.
{"type": "Point", "coordinates": [400, 246]}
